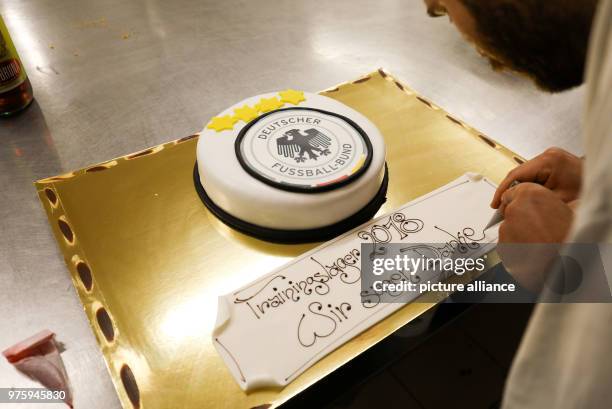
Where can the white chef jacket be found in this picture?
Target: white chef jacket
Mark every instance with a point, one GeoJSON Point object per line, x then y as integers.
{"type": "Point", "coordinates": [565, 358]}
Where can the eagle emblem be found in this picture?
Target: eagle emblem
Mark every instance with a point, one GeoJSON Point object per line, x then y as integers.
{"type": "Point", "coordinates": [295, 144]}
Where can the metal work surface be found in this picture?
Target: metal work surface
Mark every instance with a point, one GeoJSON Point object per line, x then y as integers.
{"type": "Point", "coordinates": [114, 77]}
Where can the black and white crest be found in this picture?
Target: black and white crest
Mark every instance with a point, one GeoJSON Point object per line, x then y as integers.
{"type": "Point", "coordinates": [303, 149]}
{"type": "Point", "coordinates": [296, 144]}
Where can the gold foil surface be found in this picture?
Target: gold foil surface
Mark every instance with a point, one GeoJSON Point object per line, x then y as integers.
{"type": "Point", "coordinates": [148, 260]}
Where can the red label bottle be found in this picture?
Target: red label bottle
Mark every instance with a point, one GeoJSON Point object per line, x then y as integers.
{"type": "Point", "coordinates": [15, 88]}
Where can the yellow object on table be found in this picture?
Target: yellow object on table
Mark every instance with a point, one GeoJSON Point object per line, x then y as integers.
{"type": "Point", "coordinates": [148, 260]}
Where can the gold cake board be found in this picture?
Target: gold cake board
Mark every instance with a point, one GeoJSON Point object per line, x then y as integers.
{"type": "Point", "coordinates": [148, 260]}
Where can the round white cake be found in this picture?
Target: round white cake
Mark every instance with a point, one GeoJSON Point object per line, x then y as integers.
{"type": "Point", "coordinates": [291, 161]}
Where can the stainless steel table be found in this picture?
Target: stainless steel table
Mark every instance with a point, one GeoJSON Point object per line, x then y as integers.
{"type": "Point", "coordinates": [113, 77]}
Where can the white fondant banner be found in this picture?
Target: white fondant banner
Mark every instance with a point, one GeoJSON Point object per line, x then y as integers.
{"type": "Point", "coordinates": [271, 330]}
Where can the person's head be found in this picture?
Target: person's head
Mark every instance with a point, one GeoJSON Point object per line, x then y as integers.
{"type": "Point", "coordinates": [545, 39]}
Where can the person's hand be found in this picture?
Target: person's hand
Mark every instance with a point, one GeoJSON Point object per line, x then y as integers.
{"type": "Point", "coordinates": [534, 214]}
{"type": "Point", "coordinates": [555, 169]}
{"type": "Point", "coordinates": [536, 221]}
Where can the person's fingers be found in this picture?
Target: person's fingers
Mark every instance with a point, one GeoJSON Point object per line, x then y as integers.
{"type": "Point", "coordinates": [501, 188]}
{"type": "Point", "coordinates": [510, 195]}
{"type": "Point", "coordinates": [526, 189]}
{"type": "Point", "coordinates": [505, 185]}
{"type": "Point", "coordinates": [527, 172]}
{"type": "Point", "coordinates": [505, 200]}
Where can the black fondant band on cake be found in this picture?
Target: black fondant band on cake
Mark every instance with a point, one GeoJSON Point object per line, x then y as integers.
{"type": "Point", "coordinates": [295, 236]}
{"type": "Point", "coordinates": [305, 189]}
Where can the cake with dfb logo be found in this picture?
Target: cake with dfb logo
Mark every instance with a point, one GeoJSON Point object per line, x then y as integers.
{"type": "Point", "coordinates": [291, 167]}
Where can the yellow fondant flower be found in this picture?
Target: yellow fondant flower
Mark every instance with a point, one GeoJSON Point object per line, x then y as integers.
{"type": "Point", "coordinates": [222, 123]}
{"type": "Point", "coordinates": [246, 113]}
{"type": "Point", "coordinates": [268, 104]}
{"type": "Point", "coordinates": [292, 96]}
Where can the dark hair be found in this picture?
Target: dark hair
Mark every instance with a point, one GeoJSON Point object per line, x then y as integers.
{"type": "Point", "coordinates": [546, 39]}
